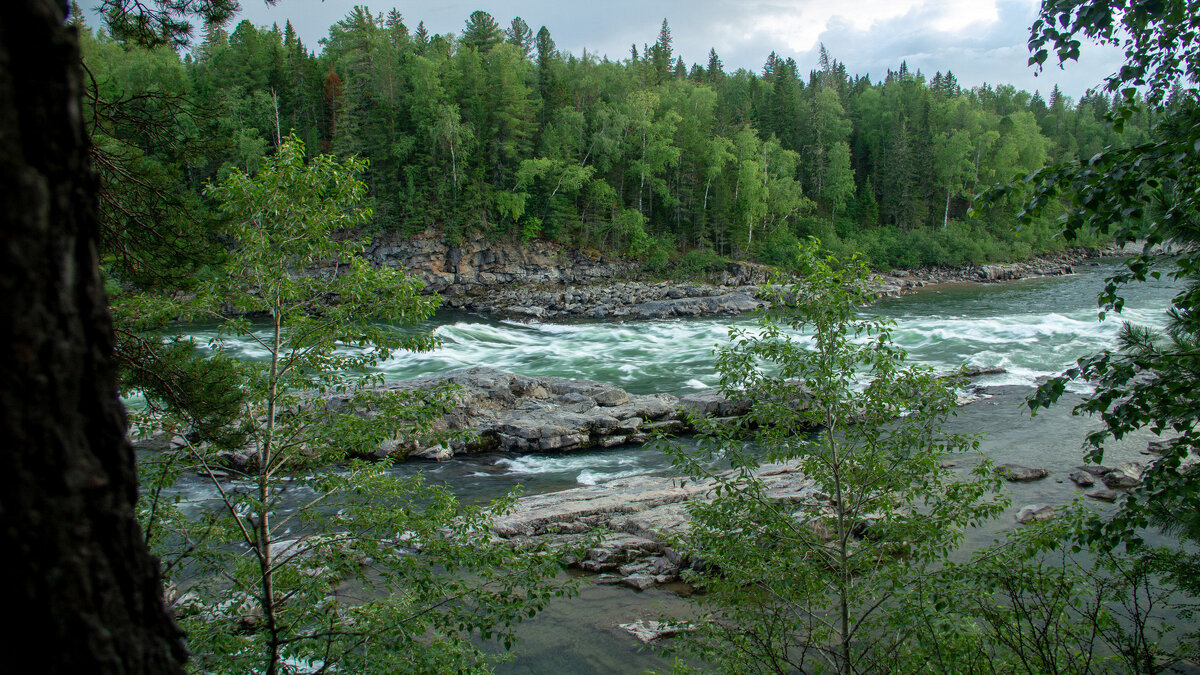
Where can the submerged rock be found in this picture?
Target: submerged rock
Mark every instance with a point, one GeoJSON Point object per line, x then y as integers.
{"type": "Point", "coordinates": [1160, 446]}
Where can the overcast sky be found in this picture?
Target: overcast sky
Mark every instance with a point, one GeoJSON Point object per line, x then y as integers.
{"type": "Point", "coordinates": [979, 40]}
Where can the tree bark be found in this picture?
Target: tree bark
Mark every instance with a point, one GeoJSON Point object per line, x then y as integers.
{"type": "Point", "coordinates": [78, 578]}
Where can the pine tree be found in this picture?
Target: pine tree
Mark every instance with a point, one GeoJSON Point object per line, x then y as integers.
{"type": "Point", "coordinates": [715, 70]}
{"type": "Point", "coordinates": [481, 32]}
{"type": "Point", "coordinates": [397, 31]}
{"type": "Point", "coordinates": [661, 53]}
{"type": "Point", "coordinates": [521, 35]}
{"type": "Point", "coordinates": [421, 37]}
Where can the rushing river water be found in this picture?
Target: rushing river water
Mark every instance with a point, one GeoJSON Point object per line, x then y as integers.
{"type": "Point", "coordinates": [1033, 328]}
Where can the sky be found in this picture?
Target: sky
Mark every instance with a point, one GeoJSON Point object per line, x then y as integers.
{"type": "Point", "coordinates": [979, 40]}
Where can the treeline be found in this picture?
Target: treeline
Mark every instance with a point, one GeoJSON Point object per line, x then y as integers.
{"type": "Point", "coordinates": [496, 131]}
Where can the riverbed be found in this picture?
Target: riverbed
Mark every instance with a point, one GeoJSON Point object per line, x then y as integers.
{"type": "Point", "coordinates": [1033, 329]}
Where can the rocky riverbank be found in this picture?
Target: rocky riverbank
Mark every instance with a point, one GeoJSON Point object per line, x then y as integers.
{"type": "Point", "coordinates": [540, 281]}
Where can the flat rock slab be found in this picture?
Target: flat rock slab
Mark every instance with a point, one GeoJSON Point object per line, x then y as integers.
{"type": "Point", "coordinates": [654, 631]}
{"type": "Point", "coordinates": [635, 521]}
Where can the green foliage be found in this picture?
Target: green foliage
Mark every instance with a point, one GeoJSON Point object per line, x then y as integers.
{"type": "Point", "coordinates": [1030, 603]}
{"type": "Point", "coordinates": [355, 569]}
{"type": "Point", "coordinates": [1147, 194]}
{"type": "Point", "coordinates": [720, 162]}
{"type": "Point", "coordinates": [819, 578]}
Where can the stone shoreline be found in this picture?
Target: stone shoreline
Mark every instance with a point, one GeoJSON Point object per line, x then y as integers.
{"type": "Point", "coordinates": [540, 281]}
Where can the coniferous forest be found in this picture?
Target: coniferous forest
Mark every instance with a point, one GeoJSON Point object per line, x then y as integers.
{"type": "Point", "coordinates": [496, 131]}
{"type": "Point", "coordinates": [212, 195]}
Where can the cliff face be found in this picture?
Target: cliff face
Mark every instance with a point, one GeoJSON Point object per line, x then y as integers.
{"type": "Point", "coordinates": [479, 266]}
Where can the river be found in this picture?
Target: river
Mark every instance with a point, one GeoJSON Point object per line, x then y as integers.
{"type": "Point", "coordinates": [1033, 328]}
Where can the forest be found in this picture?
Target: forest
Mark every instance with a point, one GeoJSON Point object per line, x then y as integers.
{"type": "Point", "coordinates": [494, 132]}
{"type": "Point", "coordinates": [246, 170]}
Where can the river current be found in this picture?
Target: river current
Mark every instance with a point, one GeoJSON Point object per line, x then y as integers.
{"type": "Point", "coordinates": [1032, 328]}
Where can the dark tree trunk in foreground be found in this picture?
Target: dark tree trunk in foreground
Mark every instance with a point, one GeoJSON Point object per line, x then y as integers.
{"type": "Point", "coordinates": [80, 590]}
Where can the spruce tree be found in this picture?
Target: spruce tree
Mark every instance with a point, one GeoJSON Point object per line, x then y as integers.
{"type": "Point", "coordinates": [481, 32]}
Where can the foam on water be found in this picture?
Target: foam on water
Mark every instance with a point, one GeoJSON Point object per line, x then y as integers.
{"type": "Point", "coordinates": [1032, 329]}
{"type": "Point", "coordinates": [590, 477]}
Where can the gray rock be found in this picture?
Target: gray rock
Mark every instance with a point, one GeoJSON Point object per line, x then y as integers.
{"type": "Point", "coordinates": [1015, 473]}
{"type": "Point", "coordinates": [1104, 494]}
{"type": "Point", "coordinates": [1082, 478]}
{"type": "Point", "coordinates": [979, 371]}
{"type": "Point", "coordinates": [711, 402]}
{"type": "Point", "coordinates": [636, 519]}
{"type": "Point", "coordinates": [729, 303]}
{"type": "Point", "coordinates": [515, 413]}
{"type": "Point", "coordinates": [437, 453]}
{"type": "Point", "coordinates": [1125, 476]}
{"type": "Point", "coordinates": [611, 397]}
{"type": "Point", "coordinates": [1161, 446]}
{"type": "Point", "coordinates": [654, 631]}
{"type": "Point", "coordinates": [1035, 513]}
{"type": "Point", "coordinates": [639, 581]}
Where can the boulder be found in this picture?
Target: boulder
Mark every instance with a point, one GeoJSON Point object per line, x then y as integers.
{"type": "Point", "coordinates": [1104, 494]}
{"type": "Point", "coordinates": [1125, 476]}
{"type": "Point", "coordinates": [1082, 478]}
{"type": "Point", "coordinates": [639, 581]}
{"type": "Point", "coordinates": [1035, 513]}
{"type": "Point", "coordinates": [514, 413]}
{"type": "Point", "coordinates": [712, 403]}
{"type": "Point", "coordinates": [979, 371]}
{"type": "Point", "coordinates": [1015, 473]}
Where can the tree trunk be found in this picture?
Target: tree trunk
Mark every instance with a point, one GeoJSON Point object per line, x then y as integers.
{"type": "Point", "coordinates": [77, 576]}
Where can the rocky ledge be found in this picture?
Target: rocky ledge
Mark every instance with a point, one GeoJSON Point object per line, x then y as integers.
{"type": "Point", "coordinates": [624, 300]}
{"type": "Point", "coordinates": [627, 530]}
{"type": "Point", "coordinates": [506, 412]}
{"type": "Point", "coordinates": [497, 411]}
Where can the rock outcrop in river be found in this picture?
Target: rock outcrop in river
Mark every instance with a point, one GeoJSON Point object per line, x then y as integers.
{"type": "Point", "coordinates": [631, 523]}
{"type": "Point", "coordinates": [515, 413]}
{"type": "Point", "coordinates": [506, 412]}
